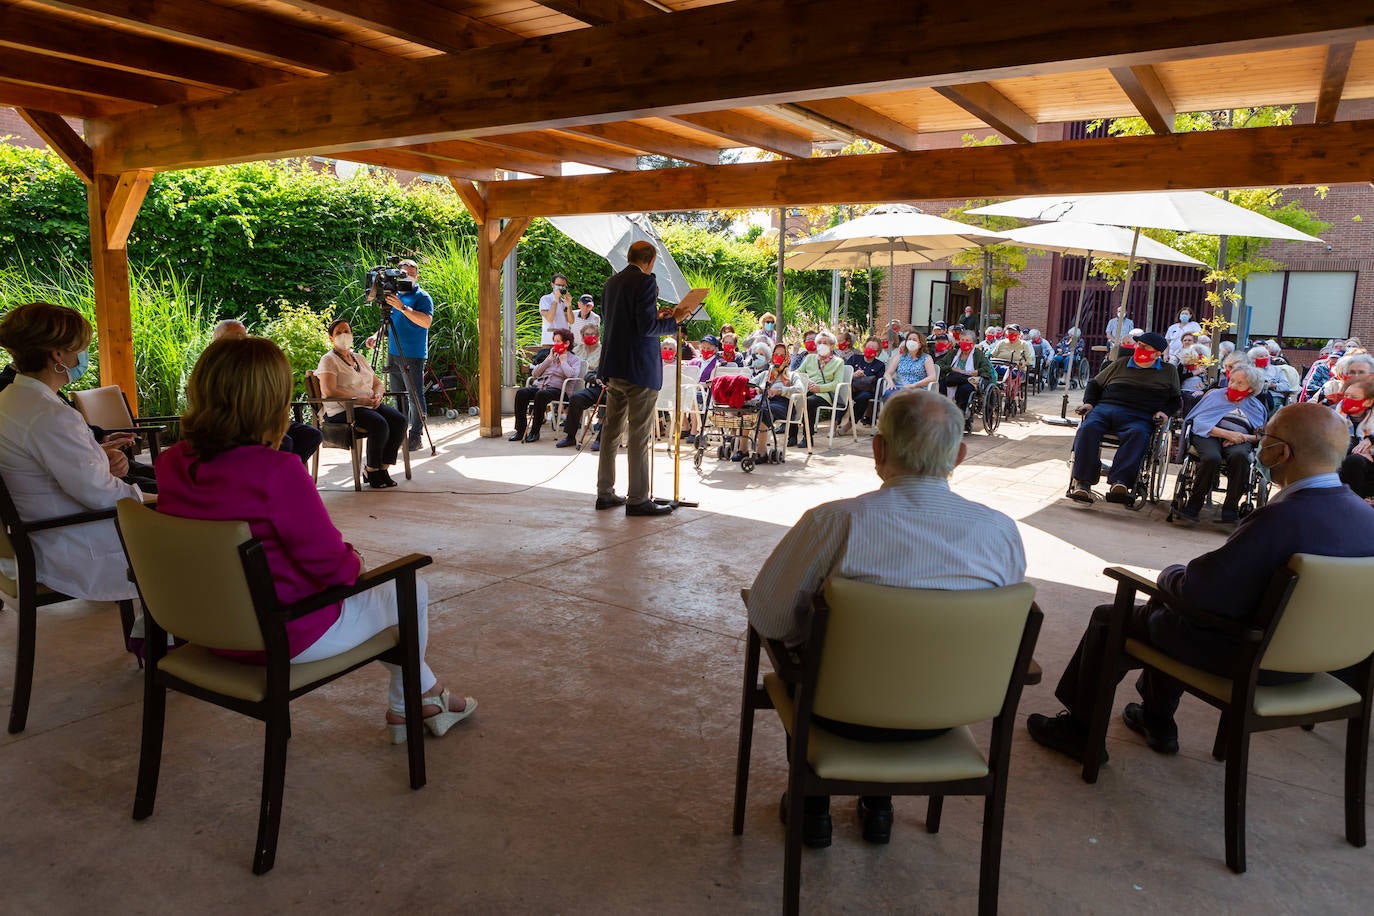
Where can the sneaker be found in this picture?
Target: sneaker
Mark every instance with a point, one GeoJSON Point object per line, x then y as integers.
{"type": "Point", "coordinates": [1063, 733]}
{"type": "Point", "coordinates": [1120, 493]}
{"type": "Point", "coordinates": [816, 826]}
{"type": "Point", "coordinates": [565, 442]}
{"type": "Point", "coordinates": [1079, 492]}
{"type": "Point", "coordinates": [1160, 734]}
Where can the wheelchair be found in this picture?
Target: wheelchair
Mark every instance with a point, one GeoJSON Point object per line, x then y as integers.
{"type": "Point", "coordinates": [987, 402]}
{"type": "Point", "coordinates": [1256, 488]}
{"type": "Point", "coordinates": [1014, 381]}
{"type": "Point", "coordinates": [1154, 466]}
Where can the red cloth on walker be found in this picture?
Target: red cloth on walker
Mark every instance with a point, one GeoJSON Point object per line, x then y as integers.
{"type": "Point", "coordinates": [730, 390]}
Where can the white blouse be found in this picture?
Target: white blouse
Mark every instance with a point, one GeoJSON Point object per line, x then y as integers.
{"type": "Point", "coordinates": [52, 466]}
{"type": "Point", "coordinates": [353, 378]}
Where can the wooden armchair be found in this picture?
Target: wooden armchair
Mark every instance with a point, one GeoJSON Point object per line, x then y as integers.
{"type": "Point", "coordinates": [108, 408]}
{"type": "Point", "coordinates": [347, 435]}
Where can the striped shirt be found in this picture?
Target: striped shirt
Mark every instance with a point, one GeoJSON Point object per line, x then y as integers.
{"type": "Point", "coordinates": [913, 532]}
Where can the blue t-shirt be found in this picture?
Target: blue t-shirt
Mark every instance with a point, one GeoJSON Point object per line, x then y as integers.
{"type": "Point", "coordinates": [410, 339]}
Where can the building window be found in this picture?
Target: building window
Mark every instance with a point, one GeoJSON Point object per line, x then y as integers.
{"type": "Point", "coordinates": [1300, 303]}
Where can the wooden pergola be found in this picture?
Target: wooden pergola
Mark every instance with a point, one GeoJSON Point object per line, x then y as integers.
{"type": "Point", "coordinates": [476, 91]}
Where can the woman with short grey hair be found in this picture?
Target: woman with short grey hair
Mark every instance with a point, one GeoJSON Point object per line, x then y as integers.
{"type": "Point", "coordinates": [1226, 426]}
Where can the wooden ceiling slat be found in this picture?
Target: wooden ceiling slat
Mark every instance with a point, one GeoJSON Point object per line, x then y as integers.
{"type": "Point", "coordinates": [1244, 80]}
{"type": "Point", "coordinates": [749, 131]}
{"type": "Point", "coordinates": [993, 108]}
{"type": "Point", "coordinates": [70, 104]}
{"type": "Point", "coordinates": [488, 156]}
{"type": "Point", "coordinates": [567, 148]}
{"type": "Point", "coordinates": [85, 41]}
{"type": "Point", "coordinates": [859, 119]}
{"type": "Point", "coordinates": [75, 76]}
{"type": "Point", "coordinates": [652, 140]}
{"type": "Point", "coordinates": [1147, 94]}
{"type": "Point", "coordinates": [413, 162]}
{"type": "Point", "coordinates": [420, 22]}
{"type": "Point", "coordinates": [602, 12]}
{"type": "Point", "coordinates": [1301, 155]}
{"type": "Point", "coordinates": [211, 26]}
{"type": "Point", "coordinates": [1334, 72]}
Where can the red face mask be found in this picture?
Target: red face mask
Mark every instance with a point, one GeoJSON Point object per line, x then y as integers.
{"type": "Point", "coordinates": [1144, 356]}
{"type": "Point", "coordinates": [885, 345]}
{"type": "Point", "coordinates": [668, 354]}
{"type": "Point", "coordinates": [707, 352]}
{"type": "Point", "coordinates": [843, 345]}
{"type": "Point", "coordinates": [991, 337]}
{"type": "Point", "coordinates": [1262, 361]}
{"type": "Point", "coordinates": [811, 346]}
{"type": "Point", "coordinates": [1235, 395]}
{"type": "Point", "coordinates": [1013, 337]}
{"type": "Point", "coordinates": [779, 359]}
{"type": "Point", "coordinates": [965, 346]}
{"type": "Point", "coordinates": [729, 352]}
{"type": "Point", "coordinates": [1352, 406]}
{"type": "Point", "coordinates": [870, 353]}
{"type": "Point", "coordinates": [941, 347]}
{"type": "Point", "coordinates": [560, 347]}
{"type": "Point", "coordinates": [590, 339]}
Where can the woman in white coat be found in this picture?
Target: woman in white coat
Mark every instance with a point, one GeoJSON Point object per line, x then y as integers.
{"type": "Point", "coordinates": [49, 460]}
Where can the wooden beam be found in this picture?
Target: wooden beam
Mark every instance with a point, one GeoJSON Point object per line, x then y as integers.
{"type": "Point", "coordinates": [406, 161]}
{"type": "Point", "coordinates": [603, 12]}
{"type": "Point", "coordinates": [1262, 157]}
{"type": "Point", "coordinates": [238, 30]}
{"type": "Point", "coordinates": [728, 55]}
{"type": "Point", "coordinates": [420, 22]}
{"type": "Point", "coordinates": [122, 209]}
{"type": "Point", "coordinates": [748, 131]}
{"type": "Point", "coordinates": [74, 76]}
{"type": "Point", "coordinates": [805, 119]}
{"type": "Point", "coordinates": [486, 155]}
{"type": "Point", "coordinates": [984, 102]}
{"type": "Point", "coordinates": [64, 141]}
{"type": "Point", "coordinates": [1146, 91]}
{"type": "Point", "coordinates": [652, 140]}
{"type": "Point", "coordinates": [69, 104]}
{"type": "Point", "coordinates": [151, 56]}
{"type": "Point", "coordinates": [568, 148]}
{"type": "Point", "coordinates": [855, 118]}
{"type": "Point", "coordinates": [1333, 81]}
{"type": "Point", "coordinates": [474, 195]}
{"type": "Point", "coordinates": [488, 329]}
{"type": "Point", "coordinates": [110, 274]}
{"type": "Point", "coordinates": [509, 237]}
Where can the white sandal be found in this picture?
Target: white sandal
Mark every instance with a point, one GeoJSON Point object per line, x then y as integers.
{"type": "Point", "coordinates": [438, 725]}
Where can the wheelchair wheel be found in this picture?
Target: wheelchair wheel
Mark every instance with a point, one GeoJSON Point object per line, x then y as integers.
{"type": "Point", "coordinates": [1159, 464]}
{"type": "Point", "coordinates": [1022, 395]}
{"type": "Point", "coordinates": [992, 410]}
{"type": "Point", "coordinates": [1080, 374]}
{"type": "Point", "coordinates": [1258, 494]}
{"type": "Point", "coordinates": [696, 458]}
{"type": "Point", "coordinates": [1183, 486]}
{"type": "Point", "coordinates": [746, 464]}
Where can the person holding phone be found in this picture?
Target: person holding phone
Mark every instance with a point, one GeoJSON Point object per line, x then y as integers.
{"type": "Point", "coordinates": [555, 309]}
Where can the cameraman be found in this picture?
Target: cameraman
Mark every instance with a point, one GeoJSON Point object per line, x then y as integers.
{"type": "Point", "coordinates": [411, 315]}
{"type": "Point", "coordinates": [555, 309]}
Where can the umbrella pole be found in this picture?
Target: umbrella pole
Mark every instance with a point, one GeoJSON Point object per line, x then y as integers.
{"type": "Point", "coordinates": [892, 279]}
{"type": "Point", "coordinates": [1064, 419]}
{"type": "Point", "coordinates": [1126, 291]}
{"type": "Point", "coordinates": [1150, 298]}
{"type": "Point", "coordinates": [871, 329]}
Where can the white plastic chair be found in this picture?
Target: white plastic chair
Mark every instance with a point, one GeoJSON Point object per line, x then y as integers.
{"type": "Point", "coordinates": [878, 391]}
{"type": "Point", "coordinates": [555, 409]}
{"type": "Point", "coordinates": [690, 377]}
{"type": "Point", "coordinates": [841, 404]}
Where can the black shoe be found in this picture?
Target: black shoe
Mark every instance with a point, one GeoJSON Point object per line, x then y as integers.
{"type": "Point", "coordinates": [1189, 514]}
{"type": "Point", "coordinates": [791, 441]}
{"type": "Point", "coordinates": [516, 436]}
{"type": "Point", "coordinates": [379, 480]}
{"type": "Point", "coordinates": [415, 443]}
{"type": "Point", "coordinates": [648, 507]}
{"type": "Point", "coordinates": [533, 435]}
{"type": "Point", "coordinates": [816, 826]}
{"type": "Point", "coordinates": [565, 442]}
{"type": "Point", "coordinates": [610, 502]}
{"type": "Point", "coordinates": [1161, 736]}
{"type": "Point", "coordinates": [1063, 733]}
{"type": "Point", "coordinates": [386, 478]}
{"type": "Point", "coordinates": [1229, 515]}
{"type": "Point", "coordinates": [1120, 493]}
{"type": "Point", "coordinates": [877, 822]}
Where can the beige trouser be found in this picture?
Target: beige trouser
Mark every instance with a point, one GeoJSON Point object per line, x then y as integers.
{"type": "Point", "coordinates": [635, 403]}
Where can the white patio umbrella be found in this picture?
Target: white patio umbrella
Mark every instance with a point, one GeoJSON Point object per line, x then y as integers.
{"type": "Point", "coordinates": [610, 235]}
{"type": "Point", "coordinates": [1181, 211]}
{"type": "Point", "coordinates": [902, 232]}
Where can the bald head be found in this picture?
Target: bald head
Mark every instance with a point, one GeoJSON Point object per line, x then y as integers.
{"type": "Point", "coordinates": [230, 329]}
{"type": "Point", "coordinates": [1317, 438]}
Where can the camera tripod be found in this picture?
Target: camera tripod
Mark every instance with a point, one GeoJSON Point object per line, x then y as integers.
{"type": "Point", "coordinates": [386, 335]}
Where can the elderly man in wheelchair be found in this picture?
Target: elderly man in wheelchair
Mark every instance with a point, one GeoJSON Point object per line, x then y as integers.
{"type": "Point", "coordinates": [1126, 399]}
{"type": "Point", "coordinates": [1221, 431]}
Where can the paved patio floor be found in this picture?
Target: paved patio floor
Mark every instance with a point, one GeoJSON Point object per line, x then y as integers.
{"type": "Point", "coordinates": [596, 777]}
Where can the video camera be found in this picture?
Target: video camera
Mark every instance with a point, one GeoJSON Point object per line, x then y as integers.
{"type": "Point", "coordinates": [388, 278]}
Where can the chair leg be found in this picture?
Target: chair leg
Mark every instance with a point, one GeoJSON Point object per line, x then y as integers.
{"type": "Point", "coordinates": [990, 866]}
{"type": "Point", "coordinates": [1356, 773]}
{"type": "Point", "coordinates": [1237, 764]}
{"type": "Point", "coordinates": [315, 465]}
{"type": "Point", "coordinates": [746, 729]}
{"type": "Point", "coordinates": [1219, 743]}
{"type": "Point", "coordinates": [356, 453]}
{"type": "Point", "coordinates": [150, 748]}
{"type": "Point", "coordinates": [273, 785]}
{"type": "Point", "coordinates": [933, 810]}
{"type": "Point", "coordinates": [791, 864]}
{"type": "Point", "coordinates": [23, 666]}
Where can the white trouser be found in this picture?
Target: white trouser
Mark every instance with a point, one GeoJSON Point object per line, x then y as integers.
{"type": "Point", "coordinates": [362, 617]}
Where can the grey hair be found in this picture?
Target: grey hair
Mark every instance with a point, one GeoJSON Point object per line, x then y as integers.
{"type": "Point", "coordinates": [1259, 352]}
{"type": "Point", "coordinates": [1273, 346]}
{"type": "Point", "coordinates": [825, 335]}
{"type": "Point", "coordinates": [923, 430]}
{"type": "Point", "coordinates": [1252, 374]}
{"type": "Point", "coordinates": [1225, 348]}
{"type": "Point", "coordinates": [227, 326]}
{"type": "Point", "coordinates": [1363, 359]}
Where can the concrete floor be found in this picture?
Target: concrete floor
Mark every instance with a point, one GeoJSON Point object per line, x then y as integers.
{"type": "Point", "coordinates": [597, 775]}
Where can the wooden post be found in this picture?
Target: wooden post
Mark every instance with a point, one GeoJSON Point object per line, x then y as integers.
{"type": "Point", "coordinates": [494, 243]}
{"type": "Point", "coordinates": [112, 204]}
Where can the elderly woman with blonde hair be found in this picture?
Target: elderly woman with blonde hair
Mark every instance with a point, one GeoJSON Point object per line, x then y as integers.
{"type": "Point", "coordinates": [228, 468]}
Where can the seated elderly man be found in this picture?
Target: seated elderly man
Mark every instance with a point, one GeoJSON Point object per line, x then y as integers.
{"type": "Point", "coordinates": [1125, 399]}
{"type": "Point", "coordinates": [1314, 513]}
{"type": "Point", "coordinates": [1226, 426]}
{"type": "Point", "coordinates": [913, 532]}
{"type": "Point", "coordinates": [1070, 349]}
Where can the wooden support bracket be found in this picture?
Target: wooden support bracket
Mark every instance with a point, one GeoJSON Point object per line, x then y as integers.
{"type": "Point", "coordinates": [510, 235]}
{"type": "Point", "coordinates": [125, 199]}
{"type": "Point", "coordinates": [64, 141]}
{"type": "Point", "coordinates": [474, 195]}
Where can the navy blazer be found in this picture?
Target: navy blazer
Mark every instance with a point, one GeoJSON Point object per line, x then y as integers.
{"type": "Point", "coordinates": [630, 329]}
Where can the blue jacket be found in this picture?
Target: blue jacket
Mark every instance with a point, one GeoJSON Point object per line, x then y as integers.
{"type": "Point", "coordinates": [630, 329]}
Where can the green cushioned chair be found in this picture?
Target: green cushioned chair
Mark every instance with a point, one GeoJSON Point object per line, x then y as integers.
{"type": "Point", "coordinates": [208, 583]}
{"type": "Point", "coordinates": [1313, 620]}
{"type": "Point", "coordinates": [896, 658]}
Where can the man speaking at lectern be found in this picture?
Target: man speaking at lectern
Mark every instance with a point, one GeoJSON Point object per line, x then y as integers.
{"type": "Point", "coordinates": [632, 368]}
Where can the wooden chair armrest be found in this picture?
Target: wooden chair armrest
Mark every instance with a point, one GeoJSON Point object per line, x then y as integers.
{"type": "Point", "coordinates": [366, 580]}
{"type": "Point", "coordinates": [1228, 625]}
{"type": "Point", "coordinates": [76, 518]}
{"type": "Point", "coordinates": [155, 421]}
{"type": "Point", "coordinates": [1135, 580]}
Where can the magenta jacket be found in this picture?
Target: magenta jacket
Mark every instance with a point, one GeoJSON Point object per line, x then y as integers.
{"type": "Point", "coordinates": [273, 493]}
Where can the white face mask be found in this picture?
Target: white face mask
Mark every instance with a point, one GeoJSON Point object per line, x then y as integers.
{"type": "Point", "coordinates": [912, 346]}
{"type": "Point", "coordinates": [344, 341]}
{"type": "Point", "coordinates": [822, 349]}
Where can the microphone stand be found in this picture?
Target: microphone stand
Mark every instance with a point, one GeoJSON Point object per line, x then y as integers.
{"type": "Point", "coordinates": [677, 499]}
